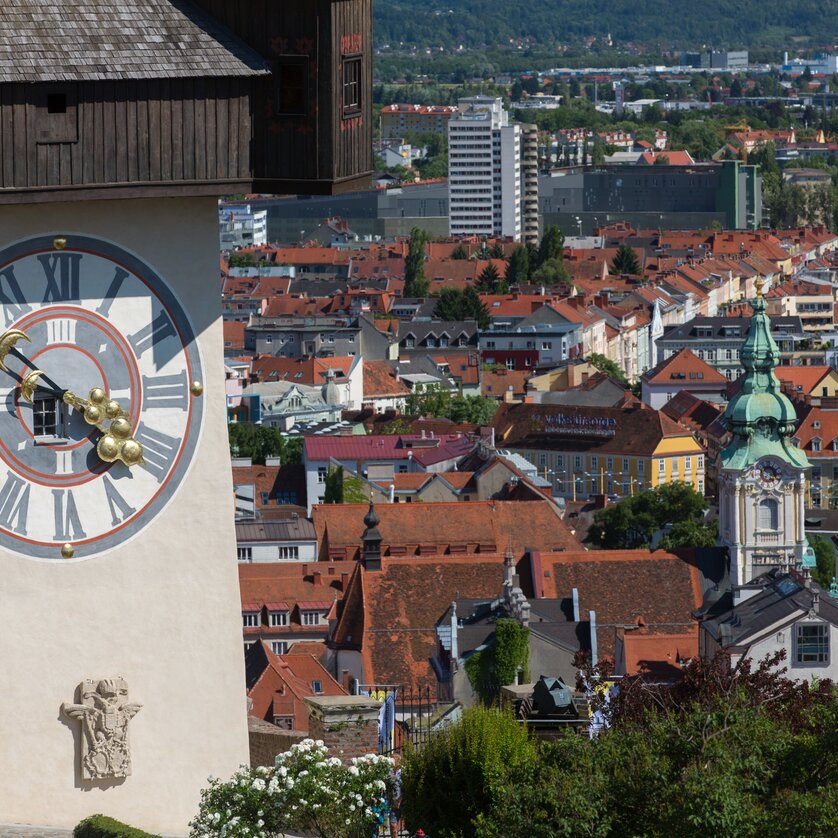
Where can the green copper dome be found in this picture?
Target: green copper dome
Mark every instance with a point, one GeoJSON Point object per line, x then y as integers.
{"type": "Point", "coordinates": [760, 416]}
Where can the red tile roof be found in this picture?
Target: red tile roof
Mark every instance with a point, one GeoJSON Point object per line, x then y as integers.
{"type": "Point", "coordinates": [657, 654]}
{"type": "Point", "coordinates": [673, 158]}
{"type": "Point", "coordinates": [390, 615]}
{"type": "Point", "coordinates": [309, 371]}
{"type": "Point", "coordinates": [380, 381]}
{"type": "Point", "coordinates": [637, 429]}
{"type": "Point", "coordinates": [684, 368]}
{"type": "Point", "coordinates": [424, 451]}
{"type": "Point", "coordinates": [802, 379]}
{"type": "Point", "coordinates": [234, 334]}
{"type": "Point", "coordinates": [285, 683]}
{"type": "Point", "coordinates": [658, 590]}
{"type": "Point", "coordinates": [448, 529]}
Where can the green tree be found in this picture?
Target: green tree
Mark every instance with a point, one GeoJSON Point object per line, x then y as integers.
{"type": "Point", "coordinates": [415, 284]}
{"type": "Point", "coordinates": [662, 160]}
{"type": "Point", "coordinates": [454, 304]}
{"type": "Point", "coordinates": [489, 279]}
{"type": "Point", "coordinates": [261, 441]}
{"type": "Point", "coordinates": [551, 245]}
{"type": "Point", "coordinates": [518, 266]}
{"type": "Point", "coordinates": [459, 252]}
{"type": "Point", "coordinates": [825, 557]}
{"type": "Point", "coordinates": [607, 366]}
{"type": "Point", "coordinates": [342, 488]}
{"type": "Point", "coordinates": [463, 771]}
{"type": "Point", "coordinates": [552, 272]}
{"type": "Point", "coordinates": [496, 251]}
{"type": "Point", "coordinates": [634, 521]}
{"type": "Point", "coordinates": [472, 410]}
{"type": "Point", "coordinates": [626, 261]}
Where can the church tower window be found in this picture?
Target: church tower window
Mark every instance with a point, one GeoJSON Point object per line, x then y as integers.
{"type": "Point", "coordinates": [768, 517]}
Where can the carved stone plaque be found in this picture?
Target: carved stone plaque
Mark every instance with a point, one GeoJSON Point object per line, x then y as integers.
{"type": "Point", "coordinates": [104, 713]}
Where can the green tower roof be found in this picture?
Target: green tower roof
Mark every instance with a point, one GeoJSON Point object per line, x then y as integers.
{"type": "Point", "coordinates": [760, 416]}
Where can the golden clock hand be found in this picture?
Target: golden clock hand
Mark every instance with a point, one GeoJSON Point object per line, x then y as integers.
{"type": "Point", "coordinates": [28, 383]}
{"type": "Point", "coordinates": [7, 344]}
{"type": "Point", "coordinates": [116, 442]}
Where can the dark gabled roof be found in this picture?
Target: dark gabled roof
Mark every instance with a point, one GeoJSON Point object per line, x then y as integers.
{"type": "Point", "coordinates": [93, 40]}
{"type": "Point", "coordinates": [286, 529]}
{"type": "Point", "coordinates": [781, 599]}
{"type": "Point", "coordinates": [420, 329]}
{"type": "Point", "coordinates": [717, 325]}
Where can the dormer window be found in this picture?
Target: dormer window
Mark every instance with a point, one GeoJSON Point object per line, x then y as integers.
{"type": "Point", "coordinates": [278, 618]}
{"type": "Point", "coordinates": [816, 443]}
{"type": "Point", "coordinates": [816, 424]}
{"type": "Point", "coordinates": [250, 619]}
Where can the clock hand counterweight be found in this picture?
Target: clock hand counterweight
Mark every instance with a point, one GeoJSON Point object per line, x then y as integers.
{"type": "Point", "coordinates": [116, 442]}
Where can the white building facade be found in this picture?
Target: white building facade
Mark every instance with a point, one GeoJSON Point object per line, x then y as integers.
{"type": "Point", "coordinates": [484, 170]}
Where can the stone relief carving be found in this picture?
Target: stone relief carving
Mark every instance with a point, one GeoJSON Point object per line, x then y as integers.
{"type": "Point", "coordinates": [104, 713]}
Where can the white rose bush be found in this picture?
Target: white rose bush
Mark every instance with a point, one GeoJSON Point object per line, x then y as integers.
{"type": "Point", "coordinates": [306, 792]}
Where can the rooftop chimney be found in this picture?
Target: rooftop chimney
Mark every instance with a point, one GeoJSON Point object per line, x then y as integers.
{"type": "Point", "coordinates": [317, 577]}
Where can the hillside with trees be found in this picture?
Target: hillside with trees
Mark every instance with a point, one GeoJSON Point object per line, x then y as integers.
{"type": "Point", "coordinates": [474, 23]}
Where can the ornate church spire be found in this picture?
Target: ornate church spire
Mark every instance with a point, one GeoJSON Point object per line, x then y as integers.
{"type": "Point", "coordinates": [760, 416]}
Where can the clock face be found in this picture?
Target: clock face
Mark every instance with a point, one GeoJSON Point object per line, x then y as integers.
{"type": "Point", "coordinates": [769, 473]}
{"type": "Point", "coordinates": [96, 317]}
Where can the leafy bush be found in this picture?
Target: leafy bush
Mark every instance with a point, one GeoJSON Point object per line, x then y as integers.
{"type": "Point", "coordinates": [306, 791]}
{"type": "Point", "coordinates": [498, 664]}
{"type": "Point", "coordinates": [462, 772]}
{"type": "Point", "coordinates": [101, 826]}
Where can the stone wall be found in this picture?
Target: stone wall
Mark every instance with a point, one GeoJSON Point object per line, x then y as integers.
{"type": "Point", "coordinates": [348, 724]}
{"type": "Point", "coordinates": [267, 740]}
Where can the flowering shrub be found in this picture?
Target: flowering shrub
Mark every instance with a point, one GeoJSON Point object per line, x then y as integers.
{"type": "Point", "coordinates": [306, 791]}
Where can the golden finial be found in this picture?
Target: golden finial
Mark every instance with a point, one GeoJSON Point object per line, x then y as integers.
{"type": "Point", "coordinates": [196, 388]}
{"type": "Point", "coordinates": [759, 283]}
{"type": "Point", "coordinates": [68, 551]}
{"type": "Point", "coordinates": [59, 242]}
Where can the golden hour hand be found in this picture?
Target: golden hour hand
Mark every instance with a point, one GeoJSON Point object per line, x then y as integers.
{"type": "Point", "coordinates": [29, 382]}
{"type": "Point", "coordinates": [7, 345]}
{"type": "Point", "coordinates": [116, 442]}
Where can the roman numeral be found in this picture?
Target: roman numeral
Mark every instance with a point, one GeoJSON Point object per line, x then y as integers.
{"type": "Point", "coordinates": [159, 450]}
{"type": "Point", "coordinates": [120, 510]}
{"type": "Point", "coordinates": [166, 391]}
{"type": "Point", "coordinates": [62, 273]}
{"type": "Point", "coordinates": [61, 330]}
{"type": "Point", "coordinates": [113, 289]}
{"type": "Point", "coordinates": [157, 331]}
{"type": "Point", "coordinates": [14, 504]}
{"type": "Point", "coordinates": [67, 522]}
{"type": "Point", "coordinates": [63, 461]}
{"type": "Point", "coordinates": [14, 306]}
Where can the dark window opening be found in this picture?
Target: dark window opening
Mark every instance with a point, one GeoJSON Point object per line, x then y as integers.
{"type": "Point", "coordinates": [47, 417]}
{"type": "Point", "coordinates": [352, 85]}
{"type": "Point", "coordinates": [57, 103]}
{"type": "Point", "coordinates": [292, 86]}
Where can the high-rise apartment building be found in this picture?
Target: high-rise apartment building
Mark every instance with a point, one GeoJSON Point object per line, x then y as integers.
{"type": "Point", "coordinates": [484, 170]}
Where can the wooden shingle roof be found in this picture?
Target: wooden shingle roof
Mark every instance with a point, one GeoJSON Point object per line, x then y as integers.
{"type": "Point", "coordinates": [91, 40]}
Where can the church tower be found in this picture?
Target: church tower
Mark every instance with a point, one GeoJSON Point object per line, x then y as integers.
{"type": "Point", "coordinates": [762, 473]}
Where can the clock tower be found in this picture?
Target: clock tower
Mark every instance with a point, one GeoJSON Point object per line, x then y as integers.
{"type": "Point", "coordinates": [121, 125]}
{"type": "Point", "coordinates": [762, 473]}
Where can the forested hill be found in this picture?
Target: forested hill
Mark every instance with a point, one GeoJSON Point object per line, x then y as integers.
{"type": "Point", "coordinates": [663, 23]}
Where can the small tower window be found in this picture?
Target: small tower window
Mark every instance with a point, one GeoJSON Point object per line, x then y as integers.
{"type": "Point", "coordinates": [768, 517]}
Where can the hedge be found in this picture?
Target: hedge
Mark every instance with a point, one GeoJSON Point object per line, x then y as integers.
{"type": "Point", "coordinates": [101, 826]}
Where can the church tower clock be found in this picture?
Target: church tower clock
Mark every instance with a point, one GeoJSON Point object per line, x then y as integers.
{"type": "Point", "coordinates": [762, 474]}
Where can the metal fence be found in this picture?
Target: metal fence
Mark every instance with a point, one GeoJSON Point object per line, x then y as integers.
{"type": "Point", "coordinates": [407, 714]}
